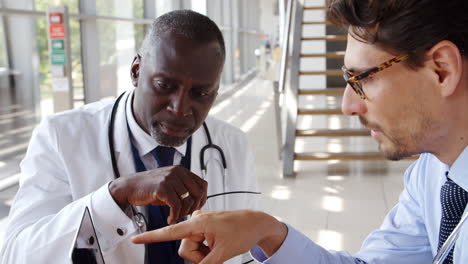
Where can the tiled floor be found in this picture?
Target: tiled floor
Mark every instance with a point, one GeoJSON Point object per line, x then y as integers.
{"type": "Point", "coordinates": [335, 204]}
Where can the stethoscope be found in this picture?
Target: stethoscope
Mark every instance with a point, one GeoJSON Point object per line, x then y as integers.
{"type": "Point", "coordinates": [139, 218]}
{"type": "Point", "coordinates": [203, 150]}
{"type": "Point", "coordinates": [208, 146]}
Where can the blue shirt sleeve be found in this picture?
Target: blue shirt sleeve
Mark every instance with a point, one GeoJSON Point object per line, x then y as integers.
{"type": "Point", "coordinates": [402, 238]}
{"type": "Point", "coordinates": [299, 249]}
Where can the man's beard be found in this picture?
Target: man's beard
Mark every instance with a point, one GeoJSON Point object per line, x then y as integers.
{"type": "Point", "coordinates": [165, 139]}
{"type": "Point", "coordinates": [397, 147]}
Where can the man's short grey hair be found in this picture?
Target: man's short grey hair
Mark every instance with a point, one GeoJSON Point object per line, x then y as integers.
{"type": "Point", "coordinates": [187, 23]}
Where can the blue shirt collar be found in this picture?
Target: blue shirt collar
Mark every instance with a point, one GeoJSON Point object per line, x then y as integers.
{"type": "Point", "coordinates": [458, 171]}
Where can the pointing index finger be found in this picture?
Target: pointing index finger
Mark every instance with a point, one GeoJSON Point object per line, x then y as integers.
{"type": "Point", "coordinates": [169, 233]}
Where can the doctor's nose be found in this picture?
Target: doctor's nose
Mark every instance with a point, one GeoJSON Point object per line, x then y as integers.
{"type": "Point", "coordinates": [352, 103]}
{"type": "Point", "coordinates": [180, 104]}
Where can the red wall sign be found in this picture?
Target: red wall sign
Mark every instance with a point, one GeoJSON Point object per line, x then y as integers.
{"type": "Point", "coordinates": [55, 18]}
{"type": "Point", "coordinates": [57, 31]}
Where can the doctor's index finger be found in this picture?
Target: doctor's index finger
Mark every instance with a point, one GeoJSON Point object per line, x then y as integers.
{"type": "Point", "coordinates": [169, 233]}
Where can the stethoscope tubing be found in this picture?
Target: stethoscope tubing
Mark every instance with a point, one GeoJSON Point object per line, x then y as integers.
{"type": "Point", "coordinates": [224, 193]}
{"type": "Point", "coordinates": [202, 151]}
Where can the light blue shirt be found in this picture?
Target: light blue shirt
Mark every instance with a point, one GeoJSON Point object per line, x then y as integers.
{"type": "Point", "coordinates": [409, 233]}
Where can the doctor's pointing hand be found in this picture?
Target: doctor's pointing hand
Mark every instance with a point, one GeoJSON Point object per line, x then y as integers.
{"type": "Point", "coordinates": [175, 186]}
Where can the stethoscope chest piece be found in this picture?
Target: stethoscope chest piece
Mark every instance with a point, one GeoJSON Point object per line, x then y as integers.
{"type": "Point", "coordinates": [140, 220]}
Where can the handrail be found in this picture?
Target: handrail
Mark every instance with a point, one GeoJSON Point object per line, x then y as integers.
{"type": "Point", "coordinates": [280, 86]}
{"type": "Point", "coordinates": [290, 88]}
{"type": "Point", "coordinates": [285, 48]}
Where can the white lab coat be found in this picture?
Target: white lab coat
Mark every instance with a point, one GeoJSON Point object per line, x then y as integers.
{"type": "Point", "coordinates": [68, 166]}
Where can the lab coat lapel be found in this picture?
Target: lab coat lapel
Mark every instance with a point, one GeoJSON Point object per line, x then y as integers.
{"type": "Point", "coordinates": [123, 150]}
{"type": "Point", "coordinates": [198, 141]}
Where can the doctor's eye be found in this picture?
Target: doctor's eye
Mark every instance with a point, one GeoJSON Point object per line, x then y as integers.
{"type": "Point", "coordinates": [163, 87]}
{"type": "Point", "coordinates": [201, 94]}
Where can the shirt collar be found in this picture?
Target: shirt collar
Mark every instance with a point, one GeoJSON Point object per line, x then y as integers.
{"type": "Point", "coordinates": [142, 140]}
{"type": "Point", "coordinates": [458, 172]}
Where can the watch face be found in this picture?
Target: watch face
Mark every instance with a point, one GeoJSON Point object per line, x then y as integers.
{"type": "Point", "coordinates": [85, 247]}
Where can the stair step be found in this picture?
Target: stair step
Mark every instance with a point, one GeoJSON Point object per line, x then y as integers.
{"type": "Point", "coordinates": [331, 55]}
{"type": "Point", "coordinates": [327, 72]}
{"type": "Point", "coordinates": [327, 38]}
{"type": "Point", "coordinates": [320, 112]}
{"type": "Point", "coordinates": [315, 7]}
{"type": "Point", "coordinates": [332, 133]}
{"type": "Point", "coordinates": [310, 156]}
{"type": "Point", "coordinates": [316, 23]}
{"type": "Point", "coordinates": [328, 91]}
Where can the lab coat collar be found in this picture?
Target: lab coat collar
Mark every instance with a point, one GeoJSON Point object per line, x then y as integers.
{"type": "Point", "coordinates": [122, 142]}
{"type": "Point", "coordinates": [198, 142]}
{"type": "Point", "coordinates": [123, 150]}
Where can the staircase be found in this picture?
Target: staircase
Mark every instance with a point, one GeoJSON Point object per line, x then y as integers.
{"type": "Point", "coordinates": [305, 105]}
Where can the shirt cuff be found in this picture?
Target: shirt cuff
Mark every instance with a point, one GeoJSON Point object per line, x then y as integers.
{"type": "Point", "coordinates": [111, 223]}
{"type": "Point", "coordinates": [293, 247]}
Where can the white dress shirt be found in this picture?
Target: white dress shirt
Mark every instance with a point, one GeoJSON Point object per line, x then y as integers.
{"type": "Point", "coordinates": [410, 231]}
{"type": "Point", "coordinates": [144, 143]}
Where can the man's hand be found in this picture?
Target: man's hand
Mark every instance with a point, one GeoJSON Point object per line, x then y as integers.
{"type": "Point", "coordinates": [227, 233]}
{"type": "Point", "coordinates": [162, 186]}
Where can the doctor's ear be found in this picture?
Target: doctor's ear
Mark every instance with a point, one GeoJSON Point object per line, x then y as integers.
{"type": "Point", "coordinates": [135, 70]}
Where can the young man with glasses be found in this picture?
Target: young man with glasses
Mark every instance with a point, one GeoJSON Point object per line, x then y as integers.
{"type": "Point", "coordinates": [407, 72]}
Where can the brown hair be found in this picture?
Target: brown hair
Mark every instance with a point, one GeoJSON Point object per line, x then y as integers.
{"type": "Point", "coordinates": [404, 26]}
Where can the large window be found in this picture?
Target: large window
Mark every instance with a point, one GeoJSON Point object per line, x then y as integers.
{"type": "Point", "coordinates": [73, 7]}
{"type": "Point", "coordinates": [117, 48]}
{"type": "Point", "coordinates": [120, 8]}
{"type": "Point", "coordinates": [3, 52]}
{"type": "Point", "coordinates": [116, 29]}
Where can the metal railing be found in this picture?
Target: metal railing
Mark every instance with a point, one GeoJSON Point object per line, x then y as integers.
{"type": "Point", "coordinates": [279, 87]}
{"type": "Point", "coordinates": [287, 90]}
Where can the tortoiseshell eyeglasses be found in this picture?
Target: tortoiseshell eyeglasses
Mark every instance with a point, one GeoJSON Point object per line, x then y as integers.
{"type": "Point", "coordinates": [355, 80]}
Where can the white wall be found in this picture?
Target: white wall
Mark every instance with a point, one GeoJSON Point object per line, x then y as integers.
{"type": "Point", "coordinates": [269, 22]}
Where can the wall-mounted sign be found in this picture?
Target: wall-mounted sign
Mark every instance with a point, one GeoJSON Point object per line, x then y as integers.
{"type": "Point", "coordinates": [57, 44]}
{"type": "Point", "coordinates": [58, 58]}
{"type": "Point", "coordinates": [55, 18]}
{"type": "Point", "coordinates": [60, 84]}
{"type": "Point", "coordinates": [57, 70]}
{"type": "Point", "coordinates": [57, 31]}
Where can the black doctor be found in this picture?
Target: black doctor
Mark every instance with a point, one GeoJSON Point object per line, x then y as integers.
{"type": "Point", "coordinates": [157, 163]}
{"type": "Point", "coordinates": [177, 79]}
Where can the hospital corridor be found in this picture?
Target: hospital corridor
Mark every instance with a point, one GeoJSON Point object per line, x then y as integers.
{"type": "Point", "coordinates": [278, 67]}
{"type": "Point", "coordinates": [316, 201]}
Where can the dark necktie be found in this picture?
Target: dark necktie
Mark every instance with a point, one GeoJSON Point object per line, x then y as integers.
{"type": "Point", "coordinates": [163, 252]}
{"type": "Point", "coordinates": [453, 199]}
